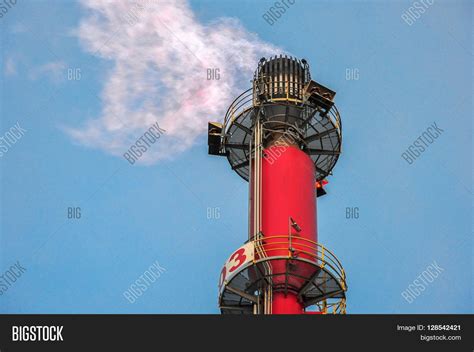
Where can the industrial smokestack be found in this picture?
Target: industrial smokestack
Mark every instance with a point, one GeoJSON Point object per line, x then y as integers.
{"type": "Point", "coordinates": [284, 136]}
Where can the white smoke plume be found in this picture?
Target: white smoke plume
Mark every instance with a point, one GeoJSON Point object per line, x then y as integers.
{"type": "Point", "coordinates": [159, 54]}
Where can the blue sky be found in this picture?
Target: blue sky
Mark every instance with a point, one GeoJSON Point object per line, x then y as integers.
{"type": "Point", "coordinates": [408, 77]}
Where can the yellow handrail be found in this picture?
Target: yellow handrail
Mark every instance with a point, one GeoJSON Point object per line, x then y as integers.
{"type": "Point", "coordinates": [315, 250]}
{"type": "Point", "coordinates": [317, 245]}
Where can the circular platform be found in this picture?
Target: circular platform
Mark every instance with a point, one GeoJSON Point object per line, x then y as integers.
{"type": "Point", "coordinates": [323, 278]}
{"type": "Point", "coordinates": [320, 131]}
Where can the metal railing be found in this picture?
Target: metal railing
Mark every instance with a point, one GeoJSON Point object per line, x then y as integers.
{"type": "Point", "coordinates": [338, 307]}
{"type": "Point", "coordinates": [248, 100]}
{"type": "Point", "coordinates": [243, 102]}
{"type": "Point", "coordinates": [295, 245]}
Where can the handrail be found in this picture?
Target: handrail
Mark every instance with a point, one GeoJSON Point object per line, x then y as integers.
{"type": "Point", "coordinates": [235, 106]}
{"type": "Point", "coordinates": [314, 250]}
{"type": "Point", "coordinates": [247, 99]}
{"type": "Point", "coordinates": [307, 240]}
{"type": "Point", "coordinates": [338, 307]}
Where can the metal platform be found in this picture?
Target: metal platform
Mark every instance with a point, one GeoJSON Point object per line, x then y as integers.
{"type": "Point", "coordinates": [240, 289]}
{"type": "Point", "coordinates": [319, 130]}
